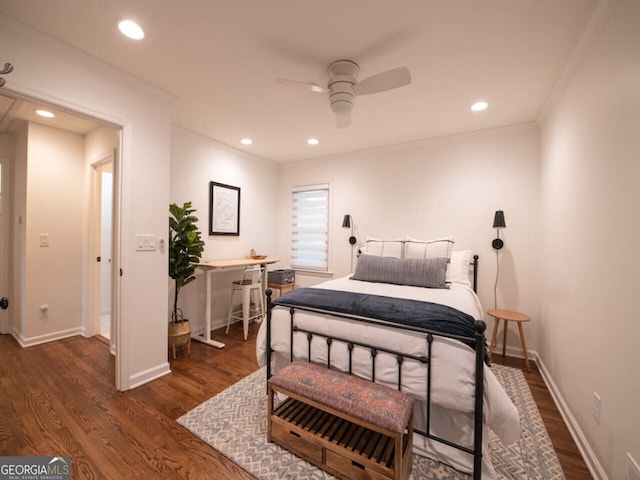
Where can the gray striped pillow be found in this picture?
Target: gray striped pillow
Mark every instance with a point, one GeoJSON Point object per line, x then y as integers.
{"type": "Point", "coordinates": [419, 272]}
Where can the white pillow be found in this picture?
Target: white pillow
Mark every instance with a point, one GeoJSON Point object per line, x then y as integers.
{"type": "Point", "coordinates": [382, 248]}
{"type": "Point", "coordinates": [440, 247]}
{"type": "Point", "coordinates": [459, 267]}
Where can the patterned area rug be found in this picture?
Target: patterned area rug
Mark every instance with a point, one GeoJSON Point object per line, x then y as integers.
{"type": "Point", "coordinates": [234, 423]}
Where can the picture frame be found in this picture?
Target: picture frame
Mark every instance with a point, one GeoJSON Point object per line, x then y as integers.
{"type": "Point", "coordinates": [224, 209]}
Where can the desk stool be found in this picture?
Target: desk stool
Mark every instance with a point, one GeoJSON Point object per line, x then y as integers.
{"type": "Point", "coordinates": [251, 282]}
{"type": "Point", "coordinates": [509, 316]}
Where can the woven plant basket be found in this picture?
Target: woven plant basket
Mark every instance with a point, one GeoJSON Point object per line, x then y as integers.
{"type": "Point", "coordinates": [179, 330]}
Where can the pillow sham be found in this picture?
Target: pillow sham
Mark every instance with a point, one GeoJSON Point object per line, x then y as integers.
{"type": "Point", "coordinates": [458, 269]}
{"type": "Point", "coordinates": [382, 248]}
{"type": "Point", "coordinates": [418, 272]}
{"type": "Point", "coordinates": [440, 247]}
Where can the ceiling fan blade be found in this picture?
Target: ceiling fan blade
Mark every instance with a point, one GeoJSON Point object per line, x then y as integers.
{"type": "Point", "coordinates": [397, 77]}
{"type": "Point", "coordinates": [343, 120]}
{"type": "Point", "coordinates": [314, 87]}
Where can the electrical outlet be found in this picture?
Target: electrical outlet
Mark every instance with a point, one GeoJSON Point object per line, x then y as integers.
{"type": "Point", "coordinates": [597, 407]}
{"type": "Point", "coordinates": [632, 470]}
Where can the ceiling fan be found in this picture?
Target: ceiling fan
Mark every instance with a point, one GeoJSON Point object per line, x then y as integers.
{"type": "Point", "coordinates": [343, 86]}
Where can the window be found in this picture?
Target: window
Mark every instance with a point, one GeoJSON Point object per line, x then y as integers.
{"type": "Point", "coordinates": [310, 227]}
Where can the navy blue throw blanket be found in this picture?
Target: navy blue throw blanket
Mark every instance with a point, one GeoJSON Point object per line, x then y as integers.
{"type": "Point", "coordinates": [401, 311]}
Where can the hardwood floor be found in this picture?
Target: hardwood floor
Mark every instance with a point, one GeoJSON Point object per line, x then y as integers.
{"type": "Point", "coordinates": [59, 399]}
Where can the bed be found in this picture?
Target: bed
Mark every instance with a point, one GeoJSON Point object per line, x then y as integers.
{"type": "Point", "coordinates": [439, 369]}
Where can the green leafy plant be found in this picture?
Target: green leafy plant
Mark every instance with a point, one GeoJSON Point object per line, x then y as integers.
{"type": "Point", "coordinates": [185, 250]}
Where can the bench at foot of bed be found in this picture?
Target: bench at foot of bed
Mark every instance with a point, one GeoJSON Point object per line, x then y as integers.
{"type": "Point", "coordinates": [350, 427]}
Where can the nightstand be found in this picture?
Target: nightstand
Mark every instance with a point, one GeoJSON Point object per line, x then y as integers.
{"type": "Point", "coordinates": [281, 288]}
{"type": "Point", "coordinates": [509, 316]}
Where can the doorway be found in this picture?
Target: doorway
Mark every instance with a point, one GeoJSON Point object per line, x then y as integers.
{"type": "Point", "coordinates": [102, 224]}
{"type": "Point", "coordinates": [101, 177]}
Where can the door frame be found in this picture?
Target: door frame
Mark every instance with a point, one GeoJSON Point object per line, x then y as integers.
{"type": "Point", "coordinates": [92, 326]}
{"type": "Point", "coordinates": [5, 237]}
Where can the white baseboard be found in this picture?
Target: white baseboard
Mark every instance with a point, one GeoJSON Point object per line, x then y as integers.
{"type": "Point", "coordinates": [216, 323]}
{"type": "Point", "coordinates": [594, 466]}
{"type": "Point", "coordinates": [49, 337]}
{"type": "Point", "coordinates": [149, 375]}
{"type": "Point", "coordinates": [515, 352]}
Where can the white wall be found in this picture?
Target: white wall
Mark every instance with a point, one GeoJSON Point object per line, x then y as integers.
{"type": "Point", "coordinates": [101, 141]}
{"type": "Point", "coordinates": [54, 207]}
{"type": "Point", "coordinates": [48, 70]}
{"type": "Point", "coordinates": [434, 188]}
{"type": "Point", "coordinates": [588, 340]}
{"type": "Point", "coordinates": [195, 161]}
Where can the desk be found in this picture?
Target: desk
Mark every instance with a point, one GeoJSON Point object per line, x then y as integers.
{"type": "Point", "coordinates": [209, 268]}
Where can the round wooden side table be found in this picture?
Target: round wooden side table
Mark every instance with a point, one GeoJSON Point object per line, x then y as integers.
{"type": "Point", "coordinates": [509, 316]}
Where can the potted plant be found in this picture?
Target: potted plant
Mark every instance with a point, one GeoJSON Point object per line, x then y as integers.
{"type": "Point", "coordinates": [185, 251]}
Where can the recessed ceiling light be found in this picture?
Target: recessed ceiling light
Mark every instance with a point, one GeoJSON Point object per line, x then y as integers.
{"type": "Point", "coordinates": [131, 29]}
{"type": "Point", "coordinates": [246, 141]}
{"type": "Point", "coordinates": [479, 106]}
{"type": "Point", "coordinates": [313, 141]}
{"type": "Point", "coordinates": [45, 113]}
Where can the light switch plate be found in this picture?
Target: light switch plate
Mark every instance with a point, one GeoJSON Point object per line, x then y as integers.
{"type": "Point", "coordinates": [145, 242]}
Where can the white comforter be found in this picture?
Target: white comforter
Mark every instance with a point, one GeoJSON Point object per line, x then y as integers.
{"type": "Point", "coordinates": [452, 373]}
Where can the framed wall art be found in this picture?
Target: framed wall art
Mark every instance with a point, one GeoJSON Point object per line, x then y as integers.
{"type": "Point", "coordinates": [224, 209]}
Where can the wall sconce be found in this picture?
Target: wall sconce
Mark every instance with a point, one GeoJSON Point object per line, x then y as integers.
{"type": "Point", "coordinates": [497, 244]}
{"type": "Point", "coordinates": [348, 223]}
{"type": "Point", "coordinates": [498, 222]}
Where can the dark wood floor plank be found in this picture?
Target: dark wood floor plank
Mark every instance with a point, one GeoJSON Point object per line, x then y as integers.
{"type": "Point", "coordinates": [60, 399]}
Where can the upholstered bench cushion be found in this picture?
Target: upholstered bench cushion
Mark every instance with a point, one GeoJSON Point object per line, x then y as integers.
{"type": "Point", "coordinates": [372, 402]}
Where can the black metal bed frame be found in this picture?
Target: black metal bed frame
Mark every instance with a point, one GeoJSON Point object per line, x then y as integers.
{"type": "Point", "coordinates": [478, 340]}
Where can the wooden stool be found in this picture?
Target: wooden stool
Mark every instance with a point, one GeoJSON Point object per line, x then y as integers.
{"type": "Point", "coordinates": [509, 316]}
{"type": "Point", "coordinates": [282, 289]}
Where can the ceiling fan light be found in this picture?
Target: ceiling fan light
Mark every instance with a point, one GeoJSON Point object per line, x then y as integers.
{"type": "Point", "coordinates": [341, 106]}
{"type": "Point", "coordinates": [313, 141]}
{"type": "Point", "coordinates": [246, 141]}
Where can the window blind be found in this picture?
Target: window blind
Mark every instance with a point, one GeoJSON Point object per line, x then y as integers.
{"type": "Point", "coordinates": [310, 227]}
